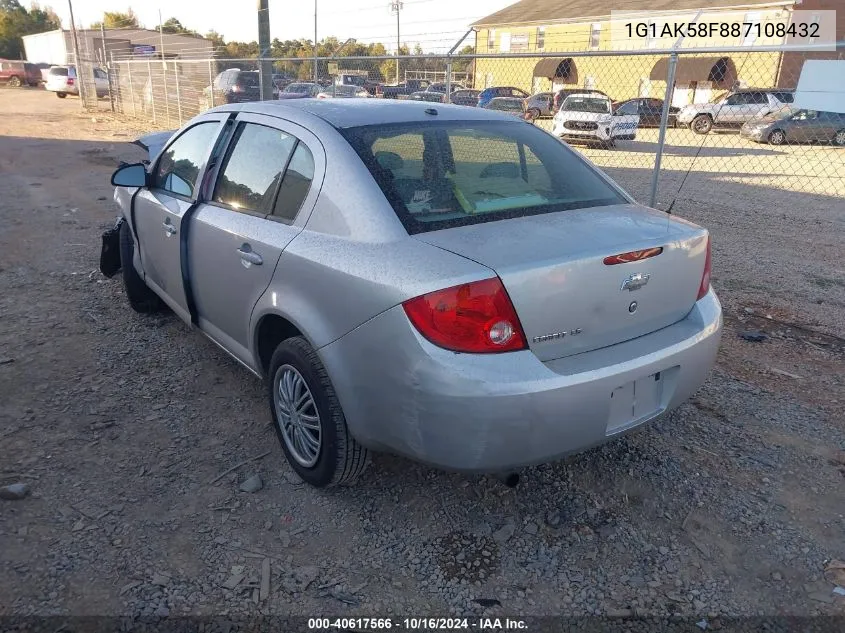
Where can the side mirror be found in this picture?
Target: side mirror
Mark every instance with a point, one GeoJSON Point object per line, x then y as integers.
{"type": "Point", "coordinates": [134, 175]}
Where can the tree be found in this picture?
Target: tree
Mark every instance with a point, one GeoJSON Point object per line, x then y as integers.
{"type": "Point", "coordinates": [15, 22]}
{"type": "Point", "coordinates": [173, 25]}
{"type": "Point", "coordinates": [118, 20]}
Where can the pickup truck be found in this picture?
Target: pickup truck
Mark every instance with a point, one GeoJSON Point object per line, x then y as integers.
{"type": "Point", "coordinates": [404, 89]}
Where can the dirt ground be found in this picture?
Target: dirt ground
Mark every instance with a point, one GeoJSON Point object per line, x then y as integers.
{"type": "Point", "coordinates": [122, 424]}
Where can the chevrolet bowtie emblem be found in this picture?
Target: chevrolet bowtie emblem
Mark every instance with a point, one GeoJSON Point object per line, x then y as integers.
{"type": "Point", "coordinates": [635, 282]}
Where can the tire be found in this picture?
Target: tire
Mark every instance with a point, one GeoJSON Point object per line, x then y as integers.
{"type": "Point", "coordinates": [15, 82]}
{"type": "Point", "coordinates": [777, 137]}
{"type": "Point", "coordinates": [839, 138]}
{"type": "Point", "coordinates": [141, 298]}
{"type": "Point", "coordinates": [702, 124]}
{"type": "Point", "coordinates": [533, 114]}
{"type": "Point", "coordinates": [61, 95]}
{"type": "Point", "coordinates": [338, 458]}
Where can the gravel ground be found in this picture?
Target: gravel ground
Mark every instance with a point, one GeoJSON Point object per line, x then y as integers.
{"type": "Point", "coordinates": [121, 425]}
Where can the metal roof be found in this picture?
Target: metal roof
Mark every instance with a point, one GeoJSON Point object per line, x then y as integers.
{"type": "Point", "coordinates": [548, 11]}
{"type": "Point", "coordinates": [343, 113]}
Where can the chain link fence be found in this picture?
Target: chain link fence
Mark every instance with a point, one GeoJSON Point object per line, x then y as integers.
{"type": "Point", "coordinates": [732, 125]}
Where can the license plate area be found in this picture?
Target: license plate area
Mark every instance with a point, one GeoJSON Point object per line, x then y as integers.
{"type": "Point", "coordinates": [635, 402]}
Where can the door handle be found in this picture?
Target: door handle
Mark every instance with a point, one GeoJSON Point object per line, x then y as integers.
{"type": "Point", "coordinates": [250, 257]}
{"type": "Point", "coordinates": [169, 228]}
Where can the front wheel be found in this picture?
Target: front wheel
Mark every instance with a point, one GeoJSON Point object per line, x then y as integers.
{"type": "Point", "coordinates": [15, 82]}
{"type": "Point", "coordinates": [309, 420]}
{"type": "Point", "coordinates": [702, 124]}
{"type": "Point", "coordinates": [777, 137]}
{"type": "Point", "coordinates": [839, 138]}
{"type": "Point", "coordinates": [61, 95]}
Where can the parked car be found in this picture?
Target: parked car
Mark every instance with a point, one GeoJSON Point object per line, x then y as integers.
{"type": "Point", "coordinates": [649, 110]}
{"type": "Point", "coordinates": [404, 89]}
{"type": "Point", "coordinates": [465, 97]}
{"type": "Point", "coordinates": [734, 110]}
{"type": "Point", "coordinates": [345, 91]}
{"type": "Point", "coordinates": [33, 74]}
{"type": "Point", "coordinates": [793, 125]}
{"type": "Point", "coordinates": [283, 231]}
{"type": "Point", "coordinates": [589, 117]}
{"type": "Point", "coordinates": [435, 93]}
{"type": "Point", "coordinates": [12, 73]}
{"type": "Point", "coordinates": [63, 81]}
{"type": "Point", "coordinates": [234, 86]}
{"type": "Point", "coordinates": [562, 94]}
{"type": "Point", "coordinates": [539, 105]}
{"type": "Point", "coordinates": [301, 91]}
{"type": "Point", "coordinates": [510, 105]}
{"type": "Point", "coordinates": [487, 94]}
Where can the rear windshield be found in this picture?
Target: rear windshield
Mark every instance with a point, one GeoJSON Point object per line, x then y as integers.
{"type": "Point", "coordinates": [58, 71]}
{"type": "Point", "coordinates": [457, 173]}
{"type": "Point", "coordinates": [249, 80]}
{"type": "Point", "coordinates": [784, 97]}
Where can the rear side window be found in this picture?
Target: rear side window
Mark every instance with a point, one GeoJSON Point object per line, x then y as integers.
{"type": "Point", "coordinates": [784, 97]}
{"type": "Point", "coordinates": [295, 184]}
{"type": "Point", "coordinates": [252, 170]}
{"type": "Point", "coordinates": [60, 72]}
{"type": "Point", "coordinates": [178, 168]}
{"type": "Point", "coordinates": [457, 173]}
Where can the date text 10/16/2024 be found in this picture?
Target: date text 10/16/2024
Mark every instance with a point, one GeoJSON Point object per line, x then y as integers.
{"type": "Point", "coordinates": [417, 624]}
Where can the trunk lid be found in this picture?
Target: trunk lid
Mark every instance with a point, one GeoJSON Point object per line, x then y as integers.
{"type": "Point", "coordinates": [568, 300]}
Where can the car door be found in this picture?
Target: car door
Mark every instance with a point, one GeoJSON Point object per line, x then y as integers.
{"type": "Point", "coordinates": [262, 196]}
{"type": "Point", "coordinates": [158, 211]}
{"type": "Point", "coordinates": [729, 111]}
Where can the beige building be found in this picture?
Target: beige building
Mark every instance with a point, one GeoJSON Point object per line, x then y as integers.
{"type": "Point", "coordinates": [535, 27]}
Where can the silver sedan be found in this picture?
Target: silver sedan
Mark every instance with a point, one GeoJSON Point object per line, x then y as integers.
{"type": "Point", "coordinates": [445, 283]}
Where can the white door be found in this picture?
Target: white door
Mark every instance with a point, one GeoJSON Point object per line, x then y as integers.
{"type": "Point", "coordinates": [645, 87]}
{"type": "Point", "coordinates": [703, 92]}
{"type": "Point", "coordinates": [681, 95]}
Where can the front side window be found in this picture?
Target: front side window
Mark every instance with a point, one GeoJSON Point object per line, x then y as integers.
{"type": "Point", "coordinates": [627, 108]}
{"type": "Point", "coordinates": [250, 175]}
{"type": "Point", "coordinates": [178, 168]}
{"type": "Point", "coordinates": [456, 173]}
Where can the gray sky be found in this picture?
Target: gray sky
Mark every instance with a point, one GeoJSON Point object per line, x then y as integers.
{"type": "Point", "coordinates": [435, 24]}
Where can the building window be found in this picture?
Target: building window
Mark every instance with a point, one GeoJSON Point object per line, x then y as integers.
{"type": "Point", "coordinates": [541, 37]}
{"type": "Point", "coordinates": [505, 43]}
{"type": "Point", "coordinates": [750, 32]}
{"type": "Point", "coordinates": [491, 39]}
{"type": "Point", "coordinates": [595, 35]}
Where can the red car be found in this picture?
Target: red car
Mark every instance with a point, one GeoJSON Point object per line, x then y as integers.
{"type": "Point", "coordinates": [12, 72]}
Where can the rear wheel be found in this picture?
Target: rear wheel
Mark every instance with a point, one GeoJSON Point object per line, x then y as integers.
{"type": "Point", "coordinates": [702, 124]}
{"type": "Point", "coordinates": [309, 420]}
{"type": "Point", "coordinates": [61, 95]}
{"type": "Point", "coordinates": [15, 82]}
{"type": "Point", "coordinates": [839, 138]}
{"type": "Point", "coordinates": [777, 137]}
{"type": "Point", "coordinates": [141, 298]}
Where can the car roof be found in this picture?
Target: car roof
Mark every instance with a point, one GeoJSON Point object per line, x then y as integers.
{"type": "Point", "coordinates": [357, 112]}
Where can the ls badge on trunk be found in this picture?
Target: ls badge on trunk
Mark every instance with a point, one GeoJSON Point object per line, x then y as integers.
{"type": "Point", "coordinates": [635, 282]}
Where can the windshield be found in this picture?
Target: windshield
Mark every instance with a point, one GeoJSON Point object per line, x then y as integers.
{"type": "Point", "coordinates": [299, 88]}
{"type": "Point", "coordinates": [250, 80]}
{"type": "Point", "coordinates": [456, 173]}
{"type": "Point", "coordinates": [586, 104]}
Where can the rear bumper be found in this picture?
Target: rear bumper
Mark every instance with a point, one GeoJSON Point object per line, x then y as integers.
{"type": "Point", "coordinates": [489, 413]}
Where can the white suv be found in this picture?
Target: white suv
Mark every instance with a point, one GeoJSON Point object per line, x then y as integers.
{"type": "Point", "coordinates": [734, 110]}
{"type": "Point", "coordinates": [63, 81]}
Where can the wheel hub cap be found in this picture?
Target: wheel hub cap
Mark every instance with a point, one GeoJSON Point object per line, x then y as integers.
{"type": "Point", "coordinates": [297, 416]}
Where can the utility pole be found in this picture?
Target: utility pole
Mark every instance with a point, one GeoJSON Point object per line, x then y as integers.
{"type": "Point", "coordinates": [161, 36]}
{"type": "Point", "coordinates": [315, 41]}
{"type": "Point", "coordinates": [396, 6]}
{"type": "Point", "coordinates": [76, 59]}
{"type": "Point", "coordinates": [265, 66]}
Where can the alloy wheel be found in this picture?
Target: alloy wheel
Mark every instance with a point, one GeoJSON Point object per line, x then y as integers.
{"type": "Point", "coordinates": [297, 416]}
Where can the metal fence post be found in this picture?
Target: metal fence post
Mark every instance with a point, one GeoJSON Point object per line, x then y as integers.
{"type": "Point", "coordinates": [448, 98]}
{"type": "Point", "coordinates": [166, 96]}
{"type": "Point", "coordinates": [109, 69]}
{"type": "Point", "coordinates": [131, 88]}
{"type": "Point", "coordinates": [178, 95]}
{"type": "Point", "coordinates": [211, 82]}
{"type": "Point", "coordinates": [152, 92]}
{"type": "Point", "coordinates": [664, 123]}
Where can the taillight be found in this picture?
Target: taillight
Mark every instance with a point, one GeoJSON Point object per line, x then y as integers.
{"type": "Point", "coordinates": [70, 81]}
{"type": "Point", "coordinates": [476, 318]}
{"type": "Point", "coordinates": [705, 277]}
